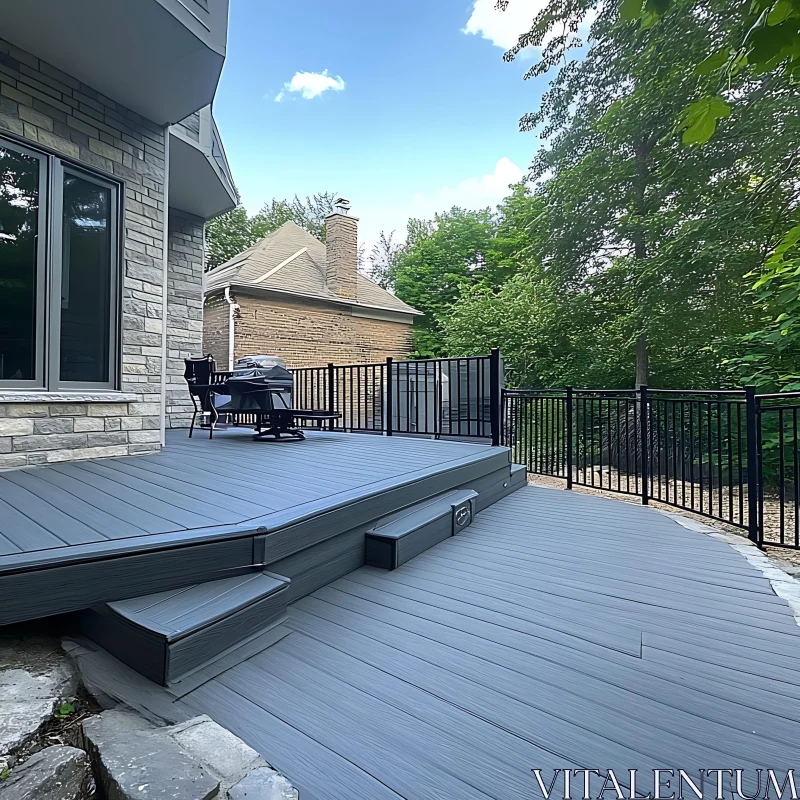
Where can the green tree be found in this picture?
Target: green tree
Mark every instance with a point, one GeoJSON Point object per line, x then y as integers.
{"type": "Point", "coordinates": [548, 337]}
{"type": "Point", "coordinates": [660, 231]}
{"type": "Point", "coordinates": [766, 40]}
{"type": "Point", "coordinates": [308, 213]}
{"type": "Point", "coordinates": [439, 256]}
{"type": "Point", "coordinates": [381, 263]}
{"type": "Point", "coordinates": [227, 236]}
{"type": "Point", "coordinates": [772, 357]}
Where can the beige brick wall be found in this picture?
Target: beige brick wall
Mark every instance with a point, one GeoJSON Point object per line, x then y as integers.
{"type": "Point", "coordinates": [51, 110]}
{"type": "Point", "coordinates": [215, 329]}
{"type": "Point", "coordinates": [302, 332]}
{"type": "Point", "coordinates": [341, 263]}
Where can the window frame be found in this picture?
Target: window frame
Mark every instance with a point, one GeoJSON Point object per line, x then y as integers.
{"type": "Point", "coordinates": [41, 268]}
{"type": "Point", "coordinates": [47, 361]}
{"type": "Point", "coordinates": [60, 170]}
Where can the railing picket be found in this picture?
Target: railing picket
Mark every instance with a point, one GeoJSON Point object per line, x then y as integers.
{"type": "Point", "coordinates": [700, 453]}
{"type": "Point", "coordinates": [796, 479]}
{"type": "Point", "coordinates": [719, 459]}
{"type": "Point", "coordinates": [740, 464]}
{"type": "Point", "coordinates": [781, 477]}
{"type": "Point", "coordinates": [730, 465]}
{"type": "Point", "coordinates": [682, 451]}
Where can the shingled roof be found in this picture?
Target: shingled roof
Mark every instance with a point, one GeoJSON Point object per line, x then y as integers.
{"type": "Point", "coordinates": [292, 261]}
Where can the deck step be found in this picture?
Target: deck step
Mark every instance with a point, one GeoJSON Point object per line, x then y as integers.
{"type": "Point", "coordinates": [407, 533]}
{"type": "Point", "coordinates": [169, 635]}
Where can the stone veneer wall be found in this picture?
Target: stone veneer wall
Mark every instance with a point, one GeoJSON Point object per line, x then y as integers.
{"type": "Point", "coordinates": [184, 310]}
{"type": "Point", "coordinates": [49, 109]}
{"type": "Point", "coordinates": [43, 433]}
{"type": "Point", "coordinates": [302, 332]}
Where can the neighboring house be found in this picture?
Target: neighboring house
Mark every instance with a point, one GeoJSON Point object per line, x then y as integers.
{"type": "Point", "coordinates": [106, 133]}
{"type": "Point", "coordinates": [292, 296]}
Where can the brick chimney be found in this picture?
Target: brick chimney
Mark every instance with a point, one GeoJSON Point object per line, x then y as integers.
{"type": "Point", "coordinates": [341, 251]}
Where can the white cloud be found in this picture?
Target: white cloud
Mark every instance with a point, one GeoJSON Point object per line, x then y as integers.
{"type": "Point", "coordinates": [486, 190]}
{"type": "Point", "coordinates": [392, 213]}
{"type": "Point", "coordinates": [311, 85]}
{"type": "Point", "coordinates": [503, 28]}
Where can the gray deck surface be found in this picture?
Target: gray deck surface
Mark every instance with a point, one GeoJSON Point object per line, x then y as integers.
{"type": "Point", "coordinates": [196, 484]}
{"type": "Point", "coordinates": [559, 630]}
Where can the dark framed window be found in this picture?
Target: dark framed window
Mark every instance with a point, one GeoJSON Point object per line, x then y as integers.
{"type": "Point", "coordinates": [59, 273]}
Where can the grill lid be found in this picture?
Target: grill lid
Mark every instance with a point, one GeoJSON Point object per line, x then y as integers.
{"type": "Point", "coordinates": [265, 362]}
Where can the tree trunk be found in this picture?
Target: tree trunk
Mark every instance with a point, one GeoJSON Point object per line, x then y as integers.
{"type": "Point", "coordinates": [642, 360]}
{"type": "Point", "coordinates": [641, 153]}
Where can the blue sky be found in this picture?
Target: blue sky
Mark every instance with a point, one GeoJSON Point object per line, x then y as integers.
{"type": "Point", "coordinates": [414, 116]}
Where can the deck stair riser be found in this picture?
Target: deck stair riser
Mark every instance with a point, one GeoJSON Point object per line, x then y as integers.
{"type": "Point", "coordinates": [169, 635]}
{"type": "Point", "coordinates": [404, 535]}
{"type": "Point", "coordinates": [318, 565]}
{"type": "Point", "coordinates": [497, 485]}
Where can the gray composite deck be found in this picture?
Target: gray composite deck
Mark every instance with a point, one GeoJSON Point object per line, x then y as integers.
{"type": "Point", "coordinates": [149, 523]}
{"type": "Point", "coordinates": [196, 484]}
{"type": "Point", "coordinates": [559, 630]}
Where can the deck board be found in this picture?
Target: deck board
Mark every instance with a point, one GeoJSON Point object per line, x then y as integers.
{"type": "Point", "coordinates": [98, 519]}
{"type": "Point", "coordinates": [656, 620]}
{"type": "Point", "coordinates": [505, 648]}
{"type": "Point", "coordinates": [291, 751]}
{"type": "Point", "coordinates": [196, 484]}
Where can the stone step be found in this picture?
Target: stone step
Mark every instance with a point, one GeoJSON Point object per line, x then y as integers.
{"type": "Point", "coordinates": [169, 635]}
{"type": "Point", "coordinates": [407, 533]}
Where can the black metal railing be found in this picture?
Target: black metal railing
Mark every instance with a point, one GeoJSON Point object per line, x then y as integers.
{"type": "Point", "coordinates": [698, 453]}
{"type": "Point", "coordinates": [708, 452]}
{"type": "Point", "coordinates": [452, 397]}
{"type": "Point", "coordinates": [778, 423]}
{"type": "Point", "coordinates": [605, 441]}
{"type": "Point", "coordinates": [311, 389]}
{"type": "Point", "coordinates": [535, 429]}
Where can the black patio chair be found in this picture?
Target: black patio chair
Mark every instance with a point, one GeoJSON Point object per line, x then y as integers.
{"type": "Point", "coordinates": [199, 374]}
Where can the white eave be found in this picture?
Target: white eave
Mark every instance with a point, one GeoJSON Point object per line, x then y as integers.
{"type": "Point", "coordinates": [401, 315]}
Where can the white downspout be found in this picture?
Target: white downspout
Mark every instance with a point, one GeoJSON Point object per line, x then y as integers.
{"type": "Point", "coordinates": [232, 309]}
{"type": "Point", "coordinates": [164, 291]}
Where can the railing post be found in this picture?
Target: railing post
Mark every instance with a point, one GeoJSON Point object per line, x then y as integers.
{"type": "Point", "coordinates": [570, 443]}
{"type": "Point", "coordinates": [388, 404]}
{"type": "Point", "coordinates": [753, 458]}
{"type": "Point", "coordinates": [494, 395]}
{"type": "Point", "coordinates": [644, 433]}
{"type": "Point", "coordinates": [331, 395]}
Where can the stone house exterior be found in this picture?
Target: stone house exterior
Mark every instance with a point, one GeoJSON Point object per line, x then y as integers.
{"type": "Point", "coordinates": [109, 168]}
{"type": "Point", "coordinates": [291, 296]}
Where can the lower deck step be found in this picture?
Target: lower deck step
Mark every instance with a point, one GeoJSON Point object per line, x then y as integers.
{"type": "Point", "coordinates": [168, 635]}
{"type": "Point", "coordinates": [407, 533]}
